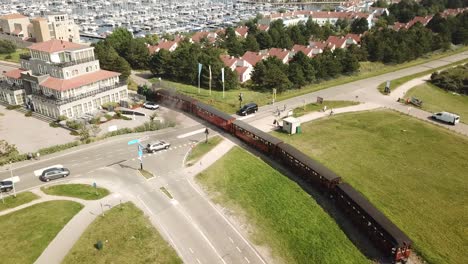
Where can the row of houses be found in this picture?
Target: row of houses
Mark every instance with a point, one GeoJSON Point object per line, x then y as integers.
{"type": "Point", "coordinates": [425, 20]}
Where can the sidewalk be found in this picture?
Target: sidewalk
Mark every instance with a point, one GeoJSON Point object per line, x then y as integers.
{"type": "Point", "coordinates": [209, 158]}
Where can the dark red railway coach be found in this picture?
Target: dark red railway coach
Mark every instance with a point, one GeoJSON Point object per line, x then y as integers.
{"type": "Point", "coordinates": [212, 115]}
{"type": "Point", "coordinates": [255, 137]}
{"type": "Point", "coordinates": [377, 226]}
{"type": "Point", "coordinates": [174, 99]}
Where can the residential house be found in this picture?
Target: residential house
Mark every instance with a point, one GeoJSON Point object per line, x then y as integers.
{"type": "Point", "coordinates": [15, 25]}
{"type": "Point", "coordinates": [307, 50]}
{"type": "Point", "coordinates": [242, 31]}
{"type": "Point", "coordinates": [164, 44]}
{"type": "Point", "coordinates": [281, 54]}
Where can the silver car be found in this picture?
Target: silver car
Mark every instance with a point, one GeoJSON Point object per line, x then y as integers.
{"type": "Point", "coordinates": [157, 145]}
{"type": "Point", "coordinates": [54, 173]}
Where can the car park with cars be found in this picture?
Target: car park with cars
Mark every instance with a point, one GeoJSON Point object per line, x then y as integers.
{"type": "Point", "coordinates": [151, 105]}
{"type": "Point", "coordinates": [157, 145]}
{"type": "Point", "coordinates": [54, 173]}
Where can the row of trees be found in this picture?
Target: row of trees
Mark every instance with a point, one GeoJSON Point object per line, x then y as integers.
{"type": "Point", "coordinates": [7, 47]}
{"type": "Point", "coordinates": [182, 66]}
{"type": "Point", "coordinates": [272, 73]}
{"type": "Point", "coordinates": [454, 79]}
{"type": "Point", "coordinates": [453, 29]}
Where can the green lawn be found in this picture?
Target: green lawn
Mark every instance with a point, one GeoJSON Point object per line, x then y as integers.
{"type": "Point", "coordinates": [27, 232]}
{"type": "Point", "coordinates": [201, 149]}
{"type": "Point", "coordinates": [21, 198]}
{"type": "Point", "coordinates": [414, 172]}
{"type": "Point", "coordinates": [136, 241]}
{"type": "Point", "coordinates": [13, 57]}
{"type": "Point", "coordinates": [82, 191]}
{"type": "Point", "coordinates": [282, 215]}
{"type": "Point", "coordinates": [230, 103]}
{"type": "Point", "coordinates": [436, 99]}
{"type": "Point", "coordinates": [300, 111]}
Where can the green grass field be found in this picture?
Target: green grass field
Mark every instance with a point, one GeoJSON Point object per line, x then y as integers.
{"type": "Point", "coordinates": [282, 215]}
{"type": "Point", "coordinates": [21, 198]}
{"type": "Point", "coordinates": [27, 232]}
{"type": "Point", "coordinates": [436, 99]}
{"type": "Point", "coordinates": [201, 149]}
{"type": "Point", "coordinates": [13, 57]}
{"type": "Point", "coordinates": [136, 241]}
{"type": "Point", "coordinates": [82, 191]}
{"type": "Point", "coordinates": [300, 111]}
{"type": "Point", "coordinates": [230, 103]}
{"type": "Point", "coordinates": [414, 172]}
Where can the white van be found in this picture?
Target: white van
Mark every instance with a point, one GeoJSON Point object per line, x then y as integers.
{"type": "Point", "coordinates": [447, 117]}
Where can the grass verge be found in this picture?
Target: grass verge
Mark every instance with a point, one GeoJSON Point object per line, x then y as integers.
{"type": "Point", "coordinates": [230, 103]}
{"type": "Point", "coordinates": [21, 198]}
{"type": "Point", "coordinates": [146, 174]}
{"type": "Point", "coordinates": [136, 241]}
{"type": "Point", "coordinates": [414, 172]}
{"type": "Point", "coordinates": [82, 191]}
{"type": "Point", "coordinates": [201, 149]}
{"type": "Point", "coordinates": [27, 232]}
{"type": "Point", "coordinates": [300, 111]}
{"type": "Point", "coordinates": [397, 82]}
{"type": "Point", "coordinates": [436, 99]}
{"type": "Point", "coordinates": [283, 216]}
{"type": "Point", "coordinates": [13, 57]}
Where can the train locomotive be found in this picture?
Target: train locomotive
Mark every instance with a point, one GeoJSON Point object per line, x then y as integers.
{"type": "Point", "coordinates": [386, 235]}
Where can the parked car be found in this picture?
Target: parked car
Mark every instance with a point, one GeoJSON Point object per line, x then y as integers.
{"type": "Point", "coordinates": [157, 145]}
{"type": "Point", "coordinates": [247, 109]}
{"type": "Point", "coordinates": [151, 105]}
{"type": "Point", "coordinates": [54, 173]}
{"type": "Point", "coordinates": [6, 186]}
{"type": "Point", "coordinates": [447, 117]}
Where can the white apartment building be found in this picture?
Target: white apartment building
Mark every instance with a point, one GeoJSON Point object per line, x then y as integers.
{"type": "Point", "coordinates": [61, 78]}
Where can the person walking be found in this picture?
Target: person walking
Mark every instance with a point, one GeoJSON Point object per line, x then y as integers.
{"type": "Point", "coordinates": [38, 155]}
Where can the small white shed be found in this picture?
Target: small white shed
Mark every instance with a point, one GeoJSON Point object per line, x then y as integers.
{"type": "Point", "coordinates": [292, 125]}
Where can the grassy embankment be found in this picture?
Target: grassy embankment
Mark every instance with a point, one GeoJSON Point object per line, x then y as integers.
{"type": "Point", "coordinates": [13, 57]}
{"type": "Point", "coordinates": [281, 214]}
{"type": "Point", "coordinates": [21, 198]}
{"type": "Point", "coordinates": [201, 149]}
{"type": "Point", "coordinates": [230, 103]}
{"type": "Point", "coordinates": [27, 232]}
{"type": "Point", "coordinates": [82, 191]}
{"type": "Point", "coordinates": [136, 241]}
{"type": "Point", "coordinates": [300, 111]}
{"type": "Point", "coordinates": [414, 172]}
{"type": "Point", "coordinates": [436, 99]}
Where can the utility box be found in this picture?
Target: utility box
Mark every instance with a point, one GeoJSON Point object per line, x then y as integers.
{"type": "Point", "coordinates": [292, 125]}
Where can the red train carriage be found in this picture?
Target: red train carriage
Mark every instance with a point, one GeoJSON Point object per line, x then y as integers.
{"type": "Point", "coordinates": [377, 226]}
{"type": "Point", "coordinates": [212, 115]}
{"type": "Point", "coordinates": [255, 137]}
{"type": "Point", "coordinates": [309, 169]}
{"type": "Point", "coordinates": [173, 99]}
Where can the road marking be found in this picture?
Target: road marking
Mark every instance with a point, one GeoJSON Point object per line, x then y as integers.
{"type": "Point", "coordinates": [185, 157]}
{"type": "Point", "coordinates": [245, 117]}
{"type": "Point", "coordinates": [191, 251]}
{"type": "Point", "coordinates": [246, 259]}
{"type": "Point", "coordinates": [192, 133]}
{"type": "Point", "coordinates": [232, 241]}
{"type": "Point", "coordinates": [238, 249]}
{"type": "Point", "coordinates": [199, 262]}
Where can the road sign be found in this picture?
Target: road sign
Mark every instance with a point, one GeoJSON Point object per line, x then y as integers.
{"type": "Point", "coordinates": [131, 142]}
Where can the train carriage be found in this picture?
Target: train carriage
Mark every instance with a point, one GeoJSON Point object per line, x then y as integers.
{"type": "Point", "coordinates": [255, 137]}
{"type": "Point", "coordinates": [378, 227]}
{"type": "Point", "coordinates": [173, 99]}
{"type": "Point", "coordinates": [309, 169]}
{"type": "Point", "coordinates": [212, 115]}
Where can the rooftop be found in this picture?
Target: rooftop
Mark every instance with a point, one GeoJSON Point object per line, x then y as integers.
{"type": "Point", "coordinates": [55, 45]}
{"type": "Point", "coordinates": [14, 74]}
{"type": "Point", "coordinates": [12, 16]}
{"type": "Point", "coordinates": [63, 85]}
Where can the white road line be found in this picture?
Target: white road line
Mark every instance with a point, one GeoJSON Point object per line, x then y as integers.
{"type": "Point", "coordinates": [246, 259]}
{"type": "Point", "coordinates": [238, 249]}
{"type": "Point", "coordinates": [185, 157]}
{"type": "Point", "coordinates": [199, 262]}
{"type": "Point", "coordinates": [191, 133]}
{"type": "Point", "coordinates": [245, 117]}
{"type": "Point", "coordinates": [232, 241]}
{"type": "Point", "coordinates": [191, 250]}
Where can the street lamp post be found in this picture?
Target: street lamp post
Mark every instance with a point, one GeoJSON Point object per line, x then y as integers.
{"type": "Point", "coordinates": [11, 175]}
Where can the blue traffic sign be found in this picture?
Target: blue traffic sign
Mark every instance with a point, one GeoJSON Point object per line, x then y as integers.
{"type": "Point", "coordinates": [131, 142]}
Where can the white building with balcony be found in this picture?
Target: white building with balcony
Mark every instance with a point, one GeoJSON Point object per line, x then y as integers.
{"type": "Point", "coordinates": [61, 78]}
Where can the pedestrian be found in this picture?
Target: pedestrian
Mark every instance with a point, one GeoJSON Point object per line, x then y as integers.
{"type": "Point", "coordinates": [284, 108]}
{"type": "Point", "coordinates": [38, 155]}
{"type": "Point", "coordinates": [324, 108]}
{"type": "Point", "coordinates": [331, 111]}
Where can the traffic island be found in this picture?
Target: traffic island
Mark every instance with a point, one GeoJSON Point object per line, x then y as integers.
{"type": "Point", "coordinates": [81, 191]}
{"type": "Point", "coordinates": [145, 173]}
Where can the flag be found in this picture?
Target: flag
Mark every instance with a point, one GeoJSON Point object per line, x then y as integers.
{"type": "Point", "coordinates": [199, 69]}
{"type": "Point", "coordinates": [222, 74]}
{"type": "Point", "coordinates": [209, 68]}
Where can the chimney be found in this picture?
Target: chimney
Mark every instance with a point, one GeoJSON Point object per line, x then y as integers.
{"type": "Point", "coordinates": [61, 41]}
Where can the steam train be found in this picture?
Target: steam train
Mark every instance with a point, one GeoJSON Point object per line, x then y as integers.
{"type": "Point", "coordinates": [385, 235]}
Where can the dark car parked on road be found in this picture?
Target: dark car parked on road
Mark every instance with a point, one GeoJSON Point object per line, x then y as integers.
{"type": "Point", "coordinates": [247, 109]}
{"type": "Point", "coordinates": [54, 173]}
{"type": "Point", "coordinates": [6, 186]}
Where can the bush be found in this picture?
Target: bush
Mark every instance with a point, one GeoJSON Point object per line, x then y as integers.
{"type": "Point", "coordinates": [73, 124]}
{"type": "Point", "coordinates": [7, 46]}
{"type": "Point", "coordinates": [108, 117]}
{"type": "Point", "coordinates": [54, 124]}
{"type": "Point", "coordinates": [28, 114]}
{"type": "Point", "coordinates": [12, 107]}
{"type": "Point", "coordinates": [62, 118]}
{"type": "Point", "coordinates": [56, 148]}
{"type": "Point", "coordinates": [107, 105]}
{"type": "Point", "coordinates": [95, 121]}
{"type": "Point", "coordinates": [8, 57]}
{"type": "Point", "coordinates": [74, 133]}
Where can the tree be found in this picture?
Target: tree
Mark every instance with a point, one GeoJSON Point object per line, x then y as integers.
{"type": "Point", "coordinates": [296, 75]}
{"type": "Point", "coordinates": [7, 47]}
{"type": "Point", "coordinates": [120, 40]}
{"type": "Point", "coordinates": [359, 25]}
{"type": "Point", "coordinates": [153, 116]}
{"type": "Point", "coordinates": [84, 133]}
{"type": "Point", "coordinates": [264, 40]}
{"type": "Point", "coordinates": [6, 148]}
{"type": "Point", "coordinates": [159, 63]}
{"type": "Point", "coordinates": [95, 129]}
{"type": "Point", "coordinates": [232, 43]}
{"type": "Point", "coordinates": [350, 62]}
{"type": "Point", "coordinates": [152, 39]}
{"type": "Point", "coordinates": [251, 44]}
{"type": "Point", "coordinates": [380, 3]}
{"type": "Point", "coordinates": [296, 35]}
{"type": "Point", "coordinates": [110, 60]}
{"type": "Point", "coordinates": [306, 66]}
{"type": "Point", "coordinates": [137, 54]}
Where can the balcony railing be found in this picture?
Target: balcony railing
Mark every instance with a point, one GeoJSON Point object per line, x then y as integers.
{"type": "Point", "coordinates": [71, 63]}
{"type": "Point", "coordinates": [11, 87]}
{"type": "Point", "coordinates": [59, 101]}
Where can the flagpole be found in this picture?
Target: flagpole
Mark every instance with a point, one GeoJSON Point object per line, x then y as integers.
{"type": "Point", "coordinates": [199, 73]}
{"type": "Point", "coordinates": [222, 79]}
{"type": "Point", "coordinates": [210, 77]}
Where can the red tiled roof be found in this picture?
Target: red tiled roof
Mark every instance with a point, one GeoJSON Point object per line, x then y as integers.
{"type": "Point", "coordinates": [278, 53]}
{"type": "Point", "coordinates": [228, 60]}
{"type": "Point", "coordinates": [320, 45]}
{"type": "Point", "coordinates": [252, 57]}
{"type": "Point", "coordinates": [14, 74]}
{"type": "Point", "coordinates": [306, 50]}
{"type": "Point", "coordinates": [199, 35]}
{"type": "Point", "coordinates": [337, 41]}
{"type": "Point", "coordinates": [166, 44]}
{"type": "Point", "coordinates": [242, 31]}
{"type": "Point", "coordinates": [63, 85]}
{"type": "Point", "coordinates": [153, 49]}
{"type": "Point", "coordinates": [55, 45]}
{"type": "Point", "coordinates": [12, 16]}
{"type": "Point", "coordinates": [241, 70]}
{"type": "Point", "coordinates": [355, 37]}
{"type": "Point", "coordinates": [263, 27]}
